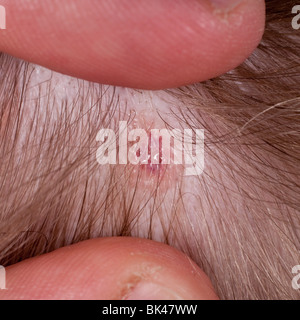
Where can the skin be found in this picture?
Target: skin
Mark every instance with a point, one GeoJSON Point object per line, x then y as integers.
{"type": "Point", "coordinates": [109, 268]}
{"type": "Point", "coordinates": [140, 46]}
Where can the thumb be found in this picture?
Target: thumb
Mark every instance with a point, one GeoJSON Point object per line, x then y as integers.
{"type": "Point", "coordinates": [109, 268]}
{"type": "Point", "coordinates": [145, 44]}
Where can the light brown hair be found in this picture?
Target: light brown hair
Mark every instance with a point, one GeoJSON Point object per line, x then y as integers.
{"type": "Point", "coordinates": [245, 230]}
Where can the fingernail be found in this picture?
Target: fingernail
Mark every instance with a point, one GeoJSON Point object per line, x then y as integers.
{"type": "Point", "coordinates": [151, 291]}
{"type": "Point", "coordinates": [225, 5]}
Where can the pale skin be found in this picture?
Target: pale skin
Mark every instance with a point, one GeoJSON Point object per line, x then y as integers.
{"type": "Point", "coordinates": [95, 51]}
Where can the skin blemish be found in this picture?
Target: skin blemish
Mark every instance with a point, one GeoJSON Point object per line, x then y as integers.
{"type": "Point", "coordinates": [151, 155]}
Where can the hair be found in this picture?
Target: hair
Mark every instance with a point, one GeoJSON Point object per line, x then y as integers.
{"type": "Point", "coordinates": [244, 230]}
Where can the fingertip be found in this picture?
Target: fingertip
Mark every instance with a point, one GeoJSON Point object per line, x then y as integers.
{"type": "Point", "coordinates": [147, 44]}
{"type": "Point", "coordinates": [109, 268]}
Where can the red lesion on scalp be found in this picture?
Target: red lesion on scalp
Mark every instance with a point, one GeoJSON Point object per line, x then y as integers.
{"type": "Point", "coordinates": [161, 175]}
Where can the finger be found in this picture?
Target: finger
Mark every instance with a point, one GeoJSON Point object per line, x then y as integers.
{"type": "Point", "coordinates": [139, 43]}
{"type": "Point", "coordinates": [109, 268]}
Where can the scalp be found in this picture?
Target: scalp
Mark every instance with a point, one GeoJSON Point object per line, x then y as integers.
{"type": "Point", "coordinates": [239, 221]}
